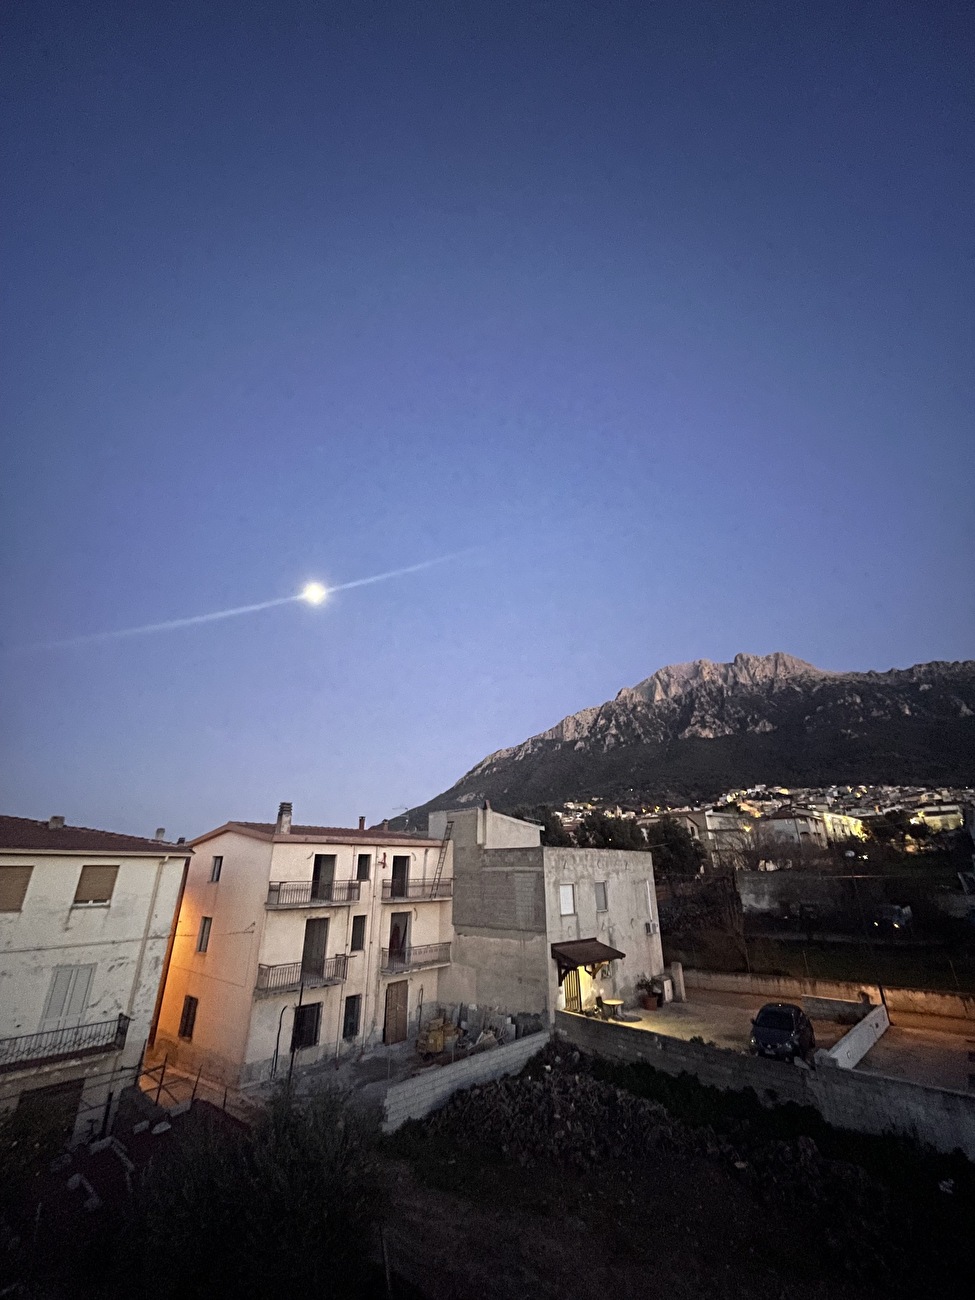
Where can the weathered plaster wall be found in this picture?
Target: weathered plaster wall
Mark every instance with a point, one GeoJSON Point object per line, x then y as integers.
{"type": "Point", "coordinates": [631, 906]}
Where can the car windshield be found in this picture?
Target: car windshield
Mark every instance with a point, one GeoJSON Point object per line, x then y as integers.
{"type": "Point", "coordinates": [774, 1020]}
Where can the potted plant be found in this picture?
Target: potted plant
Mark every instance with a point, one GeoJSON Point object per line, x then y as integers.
{"type": "Point", "coordinates": [646, 993]}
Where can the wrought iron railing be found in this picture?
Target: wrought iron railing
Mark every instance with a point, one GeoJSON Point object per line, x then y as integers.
{"type": "Point", "coordinates": [304, 893]}
{"type": "Point", "coordinates": [416, 891]}
{"type": "Point", "coordinates": [289, 976]}
{"type": "Point", "coordinates": [56, 1044]}
{"type": "Point", "coordinates": [427, 954]}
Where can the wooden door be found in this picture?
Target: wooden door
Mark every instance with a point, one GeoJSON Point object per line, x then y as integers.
{"type": "Point", "coordinates": [313, 951]}
{"type": "Point", "coordinates": [401, 875]}
{"type": "Point", "coordinates": [397, 1011]}
{"type": "Point", "coordinates": [573, 993]}
{"type": "Point", "coordinates": [323, 876]}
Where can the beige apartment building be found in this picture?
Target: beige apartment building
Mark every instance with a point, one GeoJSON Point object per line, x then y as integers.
{"type": "Point", "coordinates": [298, 944]}
{"type": "Point", "coordinates": [86, 917]}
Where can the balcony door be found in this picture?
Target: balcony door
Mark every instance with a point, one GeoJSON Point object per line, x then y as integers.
{"type": "Point", "coordinates": [323, 877]}
{"type": "Point", "coordinates": [399, 884]}
{"type": "Point", "coordinates": [397, 1011]}
{"type": "Point", "coordinates": [67, 997]}
{"type": "Point", "coordinates": [399, 936]}
{"type": "Point", "coordinates": [313, 951]}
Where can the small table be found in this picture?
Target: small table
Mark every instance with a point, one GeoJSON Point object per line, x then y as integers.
{"type": "Point", "coordinates": [612, 1006]}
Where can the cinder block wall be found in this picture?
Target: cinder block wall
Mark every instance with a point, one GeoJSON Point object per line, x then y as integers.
{"type": "Point", "coordinates": [427, 1092]}
{"type": "Point", "coordinates": [865, 1103]}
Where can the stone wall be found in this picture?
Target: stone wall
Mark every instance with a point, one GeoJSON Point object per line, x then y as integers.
{"type": "Point", "coordinates": [426, 1092]}
{"type": "Point", "coordinates": [864, 1103]}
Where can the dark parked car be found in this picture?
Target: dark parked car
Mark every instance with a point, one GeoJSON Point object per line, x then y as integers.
{"type": "Point", "coordinates": [783, 1031]}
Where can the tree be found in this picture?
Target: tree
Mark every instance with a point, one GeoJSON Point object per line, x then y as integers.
{"type": "Point", "coordinates": [675, 850]}
{"type": "Point", "coordinates": [554, 834]}
{"type": "Point", "coordinates": [597, 830]}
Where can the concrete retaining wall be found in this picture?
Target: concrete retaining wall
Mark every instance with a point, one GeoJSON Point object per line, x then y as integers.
{"type": "Point", "coordinates": [957, 1006]}
{"type": "Point", "coordinates": [426, 1092]}
{"type": "Point", "coordinates": [842, 1012]}
{"type": "Point", "coordinates": [854, 1045]}
{"type": "Point", "coordinates": [864, 1103]}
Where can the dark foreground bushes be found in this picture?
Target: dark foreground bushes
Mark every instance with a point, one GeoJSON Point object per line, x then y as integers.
{"type": "Point", "coordinates": [287, 1207]}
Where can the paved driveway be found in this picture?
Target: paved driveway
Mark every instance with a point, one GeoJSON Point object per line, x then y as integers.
{"type": "Point", "coordinates": [938, 1057]}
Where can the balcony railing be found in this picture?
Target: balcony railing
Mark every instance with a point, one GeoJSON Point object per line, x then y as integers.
{"type": "Point", "coordinates": [57, 1044]}
{"type": "Point", "coordinates": [428, 954]}
{"type": "Point", "coordinates": [304, 893]}
{"type": "Point", "coordinates": [416, 891]}
{"type": "Point", "coordinates": [289, 976]}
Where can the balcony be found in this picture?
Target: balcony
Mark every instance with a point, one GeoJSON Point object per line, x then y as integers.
{"type": "Point", "coordinates": [416, 891]}
{"type": "Point", "coordinates": [305, 893]}
{"type": "Point", "coordinates": [404, 959]}
{"type": "Point", "coordinates": [59, 1044]}
{"type": "Point", "coordinates": [290, 976]}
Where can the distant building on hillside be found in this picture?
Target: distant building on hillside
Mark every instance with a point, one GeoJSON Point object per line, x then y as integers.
{"type": "Point", "coordinates": [86, 918]}
{"type": "Point", "coordinates": [538, 928]}
{"type": "Point", "coordinates": [303, 941]}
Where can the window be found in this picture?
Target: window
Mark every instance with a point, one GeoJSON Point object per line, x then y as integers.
{"type": "Point", "coordinates": [203, 941]}
{"type": "Point", "coordinates": [97, 884]}
{"type": "Point", "coordinates": [567, 900]}
{"type": "Point", "coordinates": [358, 934]}
{"type": "Point", "coordinates": [601, 903]}
{"type": "Point", "coordinates": [307, 1025]}
{"type": "Point", "coordinates": [353, 1013]}
{"type": "Point", "coordinates": [188, 1019]}
{"type": "Point", "coordinates": [363, 865]}
{"type": "Point", "coordinates": [13, 887]}
{"type": "Point", "coordinates": [216, 866]}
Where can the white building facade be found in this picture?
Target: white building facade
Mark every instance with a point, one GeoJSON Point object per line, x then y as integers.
{"type": "Point", "coordinates": [86, 918]}
{"type": "Point", "coordinates": [298, 945]}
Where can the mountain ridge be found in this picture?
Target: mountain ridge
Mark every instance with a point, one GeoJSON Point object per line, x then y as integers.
{"type": "Point", "coordinates": [690, 727]}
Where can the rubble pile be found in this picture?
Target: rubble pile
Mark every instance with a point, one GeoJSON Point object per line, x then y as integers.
{"type": "Point", "coordinates": [558, 1113]}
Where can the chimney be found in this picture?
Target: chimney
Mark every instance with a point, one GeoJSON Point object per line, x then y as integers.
{"type": "Point", "coordinates": [385, 823]}
{"type": "Point", "coordinates": [283, 825]}
{"type": "Point", "coordinates": [362, 823]}
{"type": "Point", "coordinates": [55, 823]}
{"type": "Point", "coordinates": [181, 840]}
{"type": "Point", "coordinates": [487, 805]}
{"type": "Point", "coordinates": [160, 833]}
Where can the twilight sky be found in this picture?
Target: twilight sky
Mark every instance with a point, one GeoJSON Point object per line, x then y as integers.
{"type": "Point", "coordinates": [665, 307]}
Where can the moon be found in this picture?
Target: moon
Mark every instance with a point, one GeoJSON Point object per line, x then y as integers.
{"type": "Point", "coordinates": [314, 593]}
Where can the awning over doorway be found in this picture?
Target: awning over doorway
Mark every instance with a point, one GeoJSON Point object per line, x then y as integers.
{"type": "Point", "coordinates": [590, 953]}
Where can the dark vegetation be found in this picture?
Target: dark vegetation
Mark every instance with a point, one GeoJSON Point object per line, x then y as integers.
{"type": "Point", "coordinates": [221, 1210]}
{"type": "Point", "coordinates": [709, 1191]}
{"type": "Point", "coordinates": [889, 751]}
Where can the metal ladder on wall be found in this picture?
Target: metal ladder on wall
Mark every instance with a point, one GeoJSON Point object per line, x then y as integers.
{"type": "Point", "coordinates": [438, 874]}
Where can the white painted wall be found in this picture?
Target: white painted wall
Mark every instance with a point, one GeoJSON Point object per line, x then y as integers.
{"type": "Point", "coordinates": [125, 940]}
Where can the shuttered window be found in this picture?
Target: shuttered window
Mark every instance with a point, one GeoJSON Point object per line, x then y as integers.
{"type": "Point", "coordinates": [601, 903]}
{"type": "Point", "coordinates": [188, 1019]}
{"type": "Point", "coordinates": [307, 1025]}
{"type": "Point", "coordinates": [96, 885]}
{"type": "Point", "coordinates": [358, 934]}
{"type": "Point", "coordinates": [203, 940]}
{"type": "Point", "coordinates": [13, 887]}
{"type": "Point", "coordinates": [352, 1016]}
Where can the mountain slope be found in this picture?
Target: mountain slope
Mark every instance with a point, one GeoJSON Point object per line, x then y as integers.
{"type": "Point", "coordinates": [693, 730]}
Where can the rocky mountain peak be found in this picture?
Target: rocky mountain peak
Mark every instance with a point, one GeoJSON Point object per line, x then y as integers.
{"type": "Point", "coordinates": [744, 670]}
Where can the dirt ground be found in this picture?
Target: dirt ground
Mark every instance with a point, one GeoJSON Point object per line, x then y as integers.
{"type": "Point", "coordinates": [692, 1236]}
